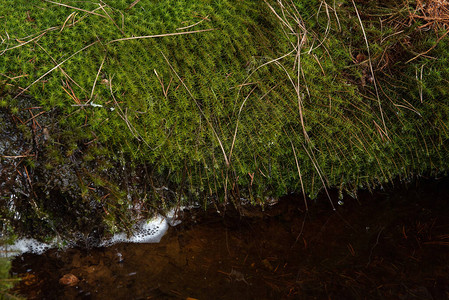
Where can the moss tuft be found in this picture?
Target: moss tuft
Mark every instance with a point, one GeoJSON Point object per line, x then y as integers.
{"type": "Point", "coordinates": [276, 98]}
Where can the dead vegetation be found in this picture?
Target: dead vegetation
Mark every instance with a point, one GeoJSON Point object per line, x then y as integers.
{"type": "Point", "coordinates": [433, 13]}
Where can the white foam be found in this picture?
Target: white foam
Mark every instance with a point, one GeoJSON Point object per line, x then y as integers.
{"type": "Point", "coordinates": [25, 245]}
{"type": "Point", "coordinates": [148, 231]}
{"type": "Point", "coordinates": [172, 216]}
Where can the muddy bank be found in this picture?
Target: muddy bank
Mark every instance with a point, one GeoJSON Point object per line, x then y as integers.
{"type": "Point", "coordinates": [390, 245]}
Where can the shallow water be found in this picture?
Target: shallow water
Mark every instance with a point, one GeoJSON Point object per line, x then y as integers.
{"type": "Point", "coordinates": [386, 245]}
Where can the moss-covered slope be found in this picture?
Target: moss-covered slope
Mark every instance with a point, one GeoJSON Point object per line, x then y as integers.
{"type": "Point", "coordinates": [238, 99]}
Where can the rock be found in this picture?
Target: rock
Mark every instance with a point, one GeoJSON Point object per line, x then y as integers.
{"type": "Point", "coordinates": [69, 280]}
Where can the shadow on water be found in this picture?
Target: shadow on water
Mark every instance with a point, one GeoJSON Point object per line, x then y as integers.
{"type": "Point", "coordinates": [386, 245]}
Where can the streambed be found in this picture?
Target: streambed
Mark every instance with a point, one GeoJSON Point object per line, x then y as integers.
{"type": "Point", "coordinates": [390, 244]}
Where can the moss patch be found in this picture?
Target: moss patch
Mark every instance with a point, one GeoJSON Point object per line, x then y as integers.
{"type": "Point", "coordinates": [232, 99]}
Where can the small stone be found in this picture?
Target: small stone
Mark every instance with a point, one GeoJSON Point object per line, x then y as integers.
{"type": "Point", "coordinates": [69, 280]}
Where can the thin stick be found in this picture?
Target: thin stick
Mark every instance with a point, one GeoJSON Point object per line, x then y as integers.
{"type": "Point", "coordinates": [110, 18]}
{"type": "Point", "coordinates": [17, 156]}
{"type": "Point", "coordinates": [336, 16]}
{"type": "Point", "coordinates": [34, 117]}
{"type": "Point", "coordinates": [29, 179]}
{"type": "Point", "coordinates": [190, 26]}
{"type": "Point", "coordinates": [66, 20]}
{"type": "Point", "coordinates": [371, 69]}
{"type": "Point", "coordinates": [71, 93]}
{"type": "Point", "coordinates": [302, 229]}
{"type": "Point", "coordinates": [96, 79]}
{"type": "Point", "coordinates": [160, 35]}
{"type": "Point", "coordinates": [372, 249]}
{"type": "Point", "coordinates": [61, 69]}
{"type": "Point", "coordinates": [162, 84]}
{"type": "Point", "coordinates": [123, 116]}
{"type": "Point", "coordinates": [201, 111]}
{"type": "Point", "coordinates": [77, 8]}
{"type": "Point", "coordinates": [41, 34]}
{"type": "Point", "coordinates": [306, 136]}
{"type": "Point", "coordinates": [132, 4]}
{"type": "Point", "coordinates": [55, 67]}
{"type": "Point", "coordinates": [279, 17]}
{"type": "Point", "coordinates": [321, 177]}
{"type": "Point", "coordinates": [300, 178]}
{"type": "Point", "coordinates": [15, 77]}
{"type": "Point", "coordinates": [24, 43]}
{"type": "Point", "coordinates": [300, 42]}
{"type": "Point", "coordinates": [237, 123]}
{"type": "Point", "coordinates": [430, 49]}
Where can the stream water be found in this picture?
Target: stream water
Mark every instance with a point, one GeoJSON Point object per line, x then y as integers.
{"type": "Point", "coordinates": [389, 244]}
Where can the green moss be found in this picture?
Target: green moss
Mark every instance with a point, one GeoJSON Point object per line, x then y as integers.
{"type": "Point", "coordinates": [181, 104]}
{"type": "Point", "coordinates": [6, 280]}
{"type": "Point", "coordinates": [5, 283]}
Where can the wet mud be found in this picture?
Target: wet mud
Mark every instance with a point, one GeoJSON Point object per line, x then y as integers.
{"type": "Point", "coordinates": [391, 244]}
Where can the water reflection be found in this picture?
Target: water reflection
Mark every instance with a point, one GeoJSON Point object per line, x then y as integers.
{"type": "Point", "coordinates": [391, 246]}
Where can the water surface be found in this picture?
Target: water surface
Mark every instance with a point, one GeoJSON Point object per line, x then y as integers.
{"type": "Point", "coordinates": [387, 245]}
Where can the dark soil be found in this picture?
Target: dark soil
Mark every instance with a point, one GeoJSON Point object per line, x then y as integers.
{"type": "Point", "coordinates": [387, 245]}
